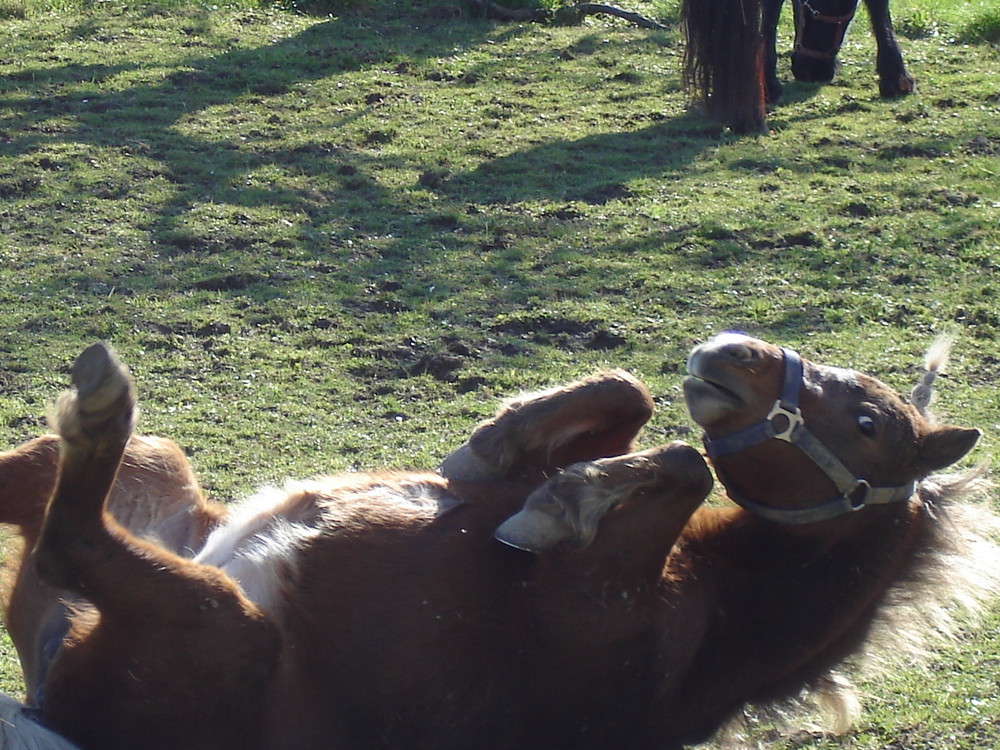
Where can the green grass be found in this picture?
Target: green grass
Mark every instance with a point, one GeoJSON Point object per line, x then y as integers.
{"type": "Point", "coordinates": [332, 243]}
{"type": "Point", "coordinates": [967, 20]}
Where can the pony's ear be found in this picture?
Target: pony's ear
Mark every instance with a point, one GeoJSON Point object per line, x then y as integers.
{"type": "Point", "coordinates": [946, 445]}
{"type": "Point", "coordinates": [543, 432]}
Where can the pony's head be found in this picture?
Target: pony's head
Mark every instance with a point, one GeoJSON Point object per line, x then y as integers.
{"type": "Point", "coordinates": [798, 442]}
{"type": "Point", "coordinates": [820, 26]}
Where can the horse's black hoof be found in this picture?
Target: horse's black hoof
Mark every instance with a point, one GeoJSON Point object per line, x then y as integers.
{"type": "Point", "coordinates": [893, 87]}
{"type": "Point", "coordinates": [774, 93]}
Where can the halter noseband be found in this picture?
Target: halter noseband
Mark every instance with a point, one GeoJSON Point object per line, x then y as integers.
{"type": "Point", "coordinates": [840, 22]}
{"type": "Point", "coordinates": [785, 422]}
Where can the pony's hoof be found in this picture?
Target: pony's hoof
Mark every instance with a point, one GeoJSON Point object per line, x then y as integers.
{"type": "Point", "coordinates": [571, 504]}
{"type": "Point", "coordinates": [894, 87]}
{"type": "Point", "coordinates": [100, 379]}
{"type": "Point", "coordinates": [99, 411]}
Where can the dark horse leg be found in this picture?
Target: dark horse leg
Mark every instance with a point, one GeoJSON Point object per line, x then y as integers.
{"type": "Point", "coordinates": [893, 78]}
{"type": "Point", "coordinates": [769, 25]}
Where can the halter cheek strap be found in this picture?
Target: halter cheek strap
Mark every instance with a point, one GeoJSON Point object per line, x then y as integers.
{"type": "Point", "coordinates": [785, 422]}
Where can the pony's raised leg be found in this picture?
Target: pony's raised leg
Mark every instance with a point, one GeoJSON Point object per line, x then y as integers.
{"type": "Point", "coordinates": [176, 656]}
{"type": "Point", "coordinates": [894, 79]}
{"type": "Point", "coordinates": [94, 422]}
{"type": "Point", "coordinates": [616, 517]}
{"type": "Point", "coordinates": [537, 434]}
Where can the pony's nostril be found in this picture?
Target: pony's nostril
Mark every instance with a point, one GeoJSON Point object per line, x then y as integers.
{"type": "Point", "coordinates": [740, 352]}
{"type": "Point", "coordinates": [733, 349]}
{"type": "Point", "coordinates": [736, 346]}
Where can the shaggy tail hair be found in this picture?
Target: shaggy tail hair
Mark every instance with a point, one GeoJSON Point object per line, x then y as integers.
{"type": "Point", "coordinates": [724, 60]}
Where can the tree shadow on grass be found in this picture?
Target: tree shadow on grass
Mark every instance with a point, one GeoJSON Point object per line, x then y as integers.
{"type": "Point", "coordinates": [84, 105]}
{"type": "Point", "coordinates": [595, 169]}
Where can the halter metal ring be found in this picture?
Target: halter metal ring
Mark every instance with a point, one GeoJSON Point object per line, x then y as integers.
{"type": "Point", "coordinates": [857, 495]}
{"type": "Point", "coordinates": [794, 419]}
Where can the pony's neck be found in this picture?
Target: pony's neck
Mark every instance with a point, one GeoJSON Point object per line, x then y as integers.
{"type": "Point", "coordinates": [780, 605]}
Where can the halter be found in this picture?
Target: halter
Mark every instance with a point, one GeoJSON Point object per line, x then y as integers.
{"type": "Point", "coordinates": [785, 422]}
{"type": "Point", "coordinates": [841, 22]}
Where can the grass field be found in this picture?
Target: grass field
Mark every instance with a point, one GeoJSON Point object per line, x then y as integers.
{"type": "Point", "coordinates": [327, 243]}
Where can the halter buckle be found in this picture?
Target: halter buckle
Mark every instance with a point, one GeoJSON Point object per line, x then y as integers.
{"type": "Point", "coordinates": [794, 419]}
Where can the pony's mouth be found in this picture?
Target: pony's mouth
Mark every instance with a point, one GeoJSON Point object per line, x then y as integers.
{"type": "Point", "coordinates": [706, 379]}
{"type": "Point", "coordinates": [708, 397]}
{"type": "Point", "coordinates": [702, 388]}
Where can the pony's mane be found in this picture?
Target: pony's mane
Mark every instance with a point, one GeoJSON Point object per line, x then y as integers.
{"type": "Point", "coordinates": [951, 575]}
{"type": "Point", "coordinates": [954, 570]}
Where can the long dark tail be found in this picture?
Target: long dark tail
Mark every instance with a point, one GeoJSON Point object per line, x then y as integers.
{"type": "Point", "coordinates": [724, 60]}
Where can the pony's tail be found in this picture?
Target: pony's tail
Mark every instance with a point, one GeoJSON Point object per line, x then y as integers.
{"type": "Point", "coordinates": [724, 60]}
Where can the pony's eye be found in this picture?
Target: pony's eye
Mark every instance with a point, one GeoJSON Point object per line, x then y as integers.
{"type": "Point", "coordinates": [867, 425]}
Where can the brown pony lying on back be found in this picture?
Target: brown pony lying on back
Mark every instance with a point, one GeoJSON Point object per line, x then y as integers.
{"type": "Point", "coordinates": [379, 611]}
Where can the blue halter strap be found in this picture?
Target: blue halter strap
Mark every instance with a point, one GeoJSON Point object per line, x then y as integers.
{"type": "Point", "coordinates": [785, 422]}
